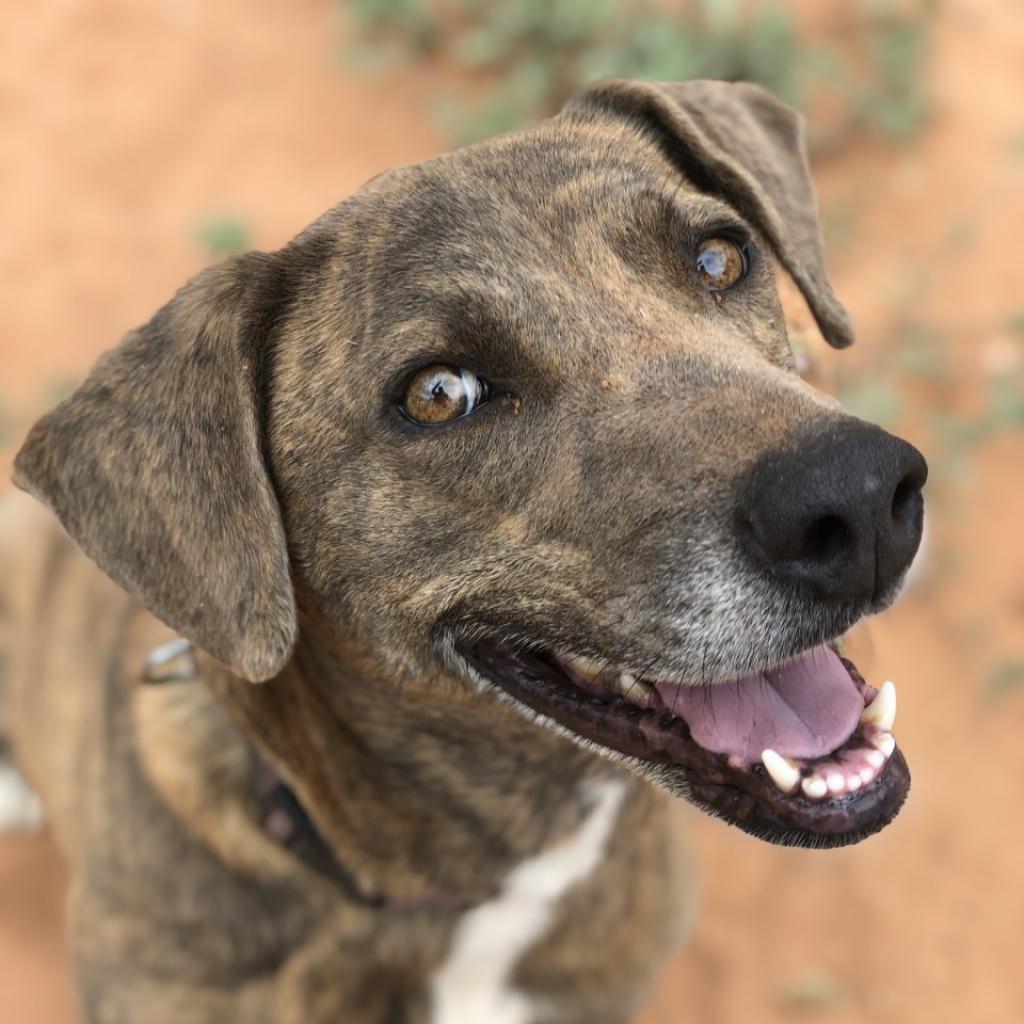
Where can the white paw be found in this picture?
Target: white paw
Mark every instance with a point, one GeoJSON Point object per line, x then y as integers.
{"type": "Point", "coordinates": [20, 810]}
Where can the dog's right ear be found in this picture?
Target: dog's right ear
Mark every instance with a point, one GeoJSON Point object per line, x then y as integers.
{"type": "Point", "coordinates": [155, 467]}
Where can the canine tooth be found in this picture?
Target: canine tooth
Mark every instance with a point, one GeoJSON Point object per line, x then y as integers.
{"type": "Point", "coordinates": [875, 758]}
{"type": "Point", "coordinates": [588, 668]}
{"type": "Point", "coordinates": [853, 782]}
{"type": "Point", "coordinates": [784, 773]}
{"type": "Point", "coordinates": [633, 688]}
{"type": "Point", "coordinates": [836, 782]}
{"type": "Point", "coordinates": [882, 710]}
{"type": "Point", "coordinates": [886, 743]}
{"type": "Point", "coordinates": [867, 773]}
{"type": "Point", "coordinates": [814, 787]}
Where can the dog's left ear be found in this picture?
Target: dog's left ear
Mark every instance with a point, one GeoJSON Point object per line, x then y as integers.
{"type": "Point", "coordinates": [155, 466]}
{"type": "Point", "coordinates": [737, 141]}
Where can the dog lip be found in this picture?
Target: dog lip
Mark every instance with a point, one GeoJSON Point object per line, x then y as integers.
{"type": "Point", "coordinates": [660, 744]}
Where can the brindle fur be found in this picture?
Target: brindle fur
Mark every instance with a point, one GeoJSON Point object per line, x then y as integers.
{"type": "Point", "coordinates": [239, 467]}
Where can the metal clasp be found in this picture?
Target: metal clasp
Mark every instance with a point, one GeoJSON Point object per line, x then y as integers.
{"type": "Point", "coordinates": [170, 662]}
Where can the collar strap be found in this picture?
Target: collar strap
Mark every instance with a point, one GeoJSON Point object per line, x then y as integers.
{"type": "Point", "coordinates": [284, 820]}
{"type": "Point", "coordinates": [170, 663]}
{"type": "Point", "coordinates": [279, 811]}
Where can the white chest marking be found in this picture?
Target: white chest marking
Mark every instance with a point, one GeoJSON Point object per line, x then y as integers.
{"type": "Point", "coordinates": [472, 985]}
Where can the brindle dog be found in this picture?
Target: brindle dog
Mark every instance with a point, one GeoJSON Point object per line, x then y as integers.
{"type": "Point", "coordinates": [487, 500]}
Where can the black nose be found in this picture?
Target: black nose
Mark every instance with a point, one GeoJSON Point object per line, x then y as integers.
{"type": "Point", "coordinates": [841, 513]}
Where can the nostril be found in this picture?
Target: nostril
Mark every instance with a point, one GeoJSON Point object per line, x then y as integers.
{"type": "Point", "coordinates": [904, 498]}
{"type": "Point", "coordinates": [826, 539]}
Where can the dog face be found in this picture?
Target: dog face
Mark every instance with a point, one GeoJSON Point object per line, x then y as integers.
{"type": "Point", "coordinates": [529, 410]}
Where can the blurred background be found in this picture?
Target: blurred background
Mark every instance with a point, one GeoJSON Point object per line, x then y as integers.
{"type": "Point", "coordinates": [143, 138]}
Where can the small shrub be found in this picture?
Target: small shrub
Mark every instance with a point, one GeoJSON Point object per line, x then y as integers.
{"type": "Point", "coordinates": [524, 58]}
{"type": "Point", "coordinates": [223, 235]}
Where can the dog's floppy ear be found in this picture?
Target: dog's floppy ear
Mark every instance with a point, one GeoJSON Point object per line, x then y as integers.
{"type": "Point", "coordinates": [155, 467]}
{"type": "Point", "coordinates": [737, 141]}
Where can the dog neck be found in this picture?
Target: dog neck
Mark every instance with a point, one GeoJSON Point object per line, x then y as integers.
{"type": "Point", "coordinates": [424, 790]}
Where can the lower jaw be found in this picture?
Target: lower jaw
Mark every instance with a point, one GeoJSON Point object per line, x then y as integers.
{"type": "Point", "coordinates": [659, 745]}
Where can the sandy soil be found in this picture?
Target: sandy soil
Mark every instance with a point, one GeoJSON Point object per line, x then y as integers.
{"type": "Point", "coordinates": [126, 123]}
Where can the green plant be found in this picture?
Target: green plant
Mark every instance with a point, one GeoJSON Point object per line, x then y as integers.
{"type": "Point", "coordinates": [7, 425]}
{"type": "Point", "coordinates": [812, 990]}
{"type": "Point", "coordinates": [1005, 677]}
{"type": "Point", "coordinates": [223, 235]}
{"type": "Point", "coordinates": [524, 58]}
{"type": "Point", "coordinates": [1015, 145]}
{"type": "Point", "coordinates": [894, 99]}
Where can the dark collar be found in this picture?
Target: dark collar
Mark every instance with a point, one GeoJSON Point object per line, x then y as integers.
{"type": "Point", "coordinates": [279, 812]}
{"type": "Point", "coordinates": [281, 815]}
{"type": "Point", "coordinates": [285, 821]}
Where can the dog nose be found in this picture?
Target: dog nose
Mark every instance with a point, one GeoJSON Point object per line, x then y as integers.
{"type": "Point", "coordinates": [841, 514]}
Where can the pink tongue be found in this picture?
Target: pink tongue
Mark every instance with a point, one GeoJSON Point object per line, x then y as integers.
{"type": "Point", "coordinates": [805, 708]}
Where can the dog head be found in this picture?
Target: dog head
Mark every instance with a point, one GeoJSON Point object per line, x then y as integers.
{"type": "Point", "coordinates": [529, 410]}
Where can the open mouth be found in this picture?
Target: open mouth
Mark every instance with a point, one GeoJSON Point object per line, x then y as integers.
{"type": "Point", "coordinates": [801, 754]}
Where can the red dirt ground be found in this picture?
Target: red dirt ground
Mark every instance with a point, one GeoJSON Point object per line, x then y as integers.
{"type": "Point", "coordinates": [127, 123]}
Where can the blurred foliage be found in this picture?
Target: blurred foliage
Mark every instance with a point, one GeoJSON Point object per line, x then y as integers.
{"type": "Point", "coordinates": [1004, 678]}
{"type": "Point", "coordinates": [524, 58]}
{"type": "Point", "coordinates": [223, 235]}
{"type": "Point", "coordinates": [57, 388]}
{"type": "Point", "coordinates": [7, 425]}
{"type": "Point", "coordinates": [893, 97]}
{"type": "Point", "coordinates": [1016, 144]}
{"type": "Point", "coordinates": [812, 991]}
{"type": "Point", "coordinates": [917, 361]}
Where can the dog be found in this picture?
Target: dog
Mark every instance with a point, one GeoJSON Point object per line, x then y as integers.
{"type": "Point", "coordinates": [405, 577]}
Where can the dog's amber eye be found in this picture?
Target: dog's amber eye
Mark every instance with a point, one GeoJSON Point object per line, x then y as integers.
{"type": "Point", "coordinates": [439, 394]}
{"type": "Point", "coordinates": [721, 263]}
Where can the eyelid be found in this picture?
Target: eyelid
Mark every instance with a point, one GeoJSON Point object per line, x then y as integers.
{"type": "Point", "coordinates": [730, 231]}
{"type": "Point", "coordinates": [720, 224]}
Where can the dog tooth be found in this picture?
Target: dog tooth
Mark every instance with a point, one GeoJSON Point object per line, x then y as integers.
{"type": "Point", "coordinates": [882, 710]}
{"type": "Point", "coordinates": [886, 743]}
{"type": "Point", "coordinates": [875, 758]}
{"type": "Point", "coordinates": [590, 669]}
{"type": "Point", "coordinates": [853, 782]}
{"type": "Point", "coordinates": [784, 773]}
{"type": "Point", "coordinates": [634, 689]}
{"type": "Point", "coordinates": [867, 773]}
{"type": "Point", "coordinates": [836, 782]}
{"type": "Point", "coordinates": [814, 787]}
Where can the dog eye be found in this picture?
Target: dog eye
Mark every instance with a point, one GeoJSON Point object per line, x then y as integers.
{"type": "Point", "coordinates": [440, 394]}
{"type": "Point", "coordinates": [721, 263]}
